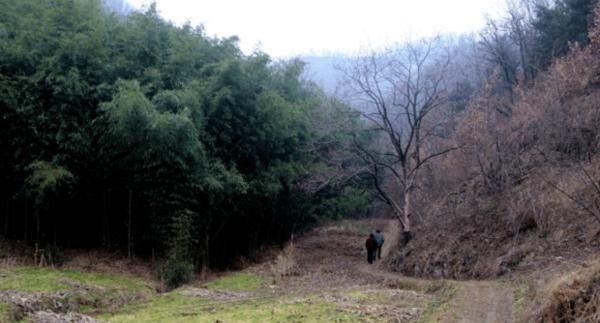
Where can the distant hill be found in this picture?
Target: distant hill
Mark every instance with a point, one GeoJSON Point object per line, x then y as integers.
{"type": "Point", "coordinates": [121, 7]}
{"type": "Point", "coordinates": [323, 71]}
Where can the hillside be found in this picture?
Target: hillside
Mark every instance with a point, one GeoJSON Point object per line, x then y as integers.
{"type": "Point", "coordinates": [540, 211]}
{"type": "Point", "coordinates": [529, 207]}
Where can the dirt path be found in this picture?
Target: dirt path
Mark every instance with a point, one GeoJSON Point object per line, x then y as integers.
{"type": "Point", "coordinates": [481, 301]}
{"type": "Point", "coordinates": [475, 302]}
{"type": "Point", "coordinates": [331, 260]}
{"type": "Point", "coordinates": [335, 255]}
{"type": "Point", "coordinates": [391, 231]}
{"type": "Point", "coordinates": [330, 264]}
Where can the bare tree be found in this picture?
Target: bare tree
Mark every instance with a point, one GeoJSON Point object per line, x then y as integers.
{"type": "Point", "coordinates": [519, 28]}
{"type": "Point", "coordinates": [334, 124]}
{"type": "Point", "coordinates": [588, 199]}
{"type": "Point", "coordinates": [396, 90]}
{"type": "Point", "coordinates": [499, 50]}
{"type": "Point", "coordinates": [506, 42]}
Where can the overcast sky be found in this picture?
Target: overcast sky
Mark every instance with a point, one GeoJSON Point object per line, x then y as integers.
{"type": "Point", "coordinates": [287, 28]}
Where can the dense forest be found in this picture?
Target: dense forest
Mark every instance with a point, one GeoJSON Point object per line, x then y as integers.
{"type": "Point", "coordinates": [128, 133]}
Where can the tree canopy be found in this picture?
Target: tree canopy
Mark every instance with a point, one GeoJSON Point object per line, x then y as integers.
{"type": "Point", "coordinates": [127, 132]}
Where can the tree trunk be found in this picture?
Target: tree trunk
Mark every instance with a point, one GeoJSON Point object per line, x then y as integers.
{"type": "Point", "coordinates": [55, 234]}
{"type": "Point", "coordinates": [13, 220]}
{"type": "Point", "coordinates": [406, 213]}
{"type": "Point", "coordinates": [129, 224]}
{"type": "Point", "coordinates": [25, 229]}
{"type": "Point", "coordinates": [105, 223]}
{"type": "Point", "coordinates": [55, 226]}
{"type": "Point", "coordinates": [6, 218]}
{"type": "Point", "coordinates": [205, 252]}
{"type": "Point", "coordinates": [37, 224]}
{"type": "Point", "coordinates": [406, 227]}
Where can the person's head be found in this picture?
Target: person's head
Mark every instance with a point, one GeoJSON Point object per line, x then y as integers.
{"type": "Point", "coordinates": [378, 231]}
{"type": "Point", "coordinates": [371, 235]}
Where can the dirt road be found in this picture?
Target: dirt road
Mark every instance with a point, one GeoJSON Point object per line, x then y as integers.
{"type": "Point", "coordinates": [331, 260]}
{"type": "Point", "coordinates": [481, 301]}
{"type": "Point", "coordinates": [475, 301]}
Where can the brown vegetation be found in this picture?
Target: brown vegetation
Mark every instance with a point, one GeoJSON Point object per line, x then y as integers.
{"type": "Point", "coordinates": [574, 297]}
{"type": "Point", "coordinates": [523, 190]}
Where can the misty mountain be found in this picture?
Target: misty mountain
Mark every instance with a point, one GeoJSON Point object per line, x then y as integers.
{"type": "Point", "coordinates": [323, 71]}
{"type": "Point", "coordinates": [118, 6]}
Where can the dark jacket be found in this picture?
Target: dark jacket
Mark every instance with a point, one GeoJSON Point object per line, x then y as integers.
{"type": "Point", "coordinates": [371, 244]}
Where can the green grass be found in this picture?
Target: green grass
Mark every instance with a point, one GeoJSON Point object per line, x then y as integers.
{"type": "Point", "coordinates": [238, 282]}
{"type": "Point", "coordinates": [3, 312]}
{"type": "Point", "coordinates": [360, 228]}
{"type": "Point", "coordinates": [178, 308]}
{"type": "Point", "coordinates": [38, 279]}
{"type": "Point", "coordinates": [521, 291]}
{"type": "Point", "coordinates": [86, 308]}
{"type": "Point", "coordinates": [101, 292]}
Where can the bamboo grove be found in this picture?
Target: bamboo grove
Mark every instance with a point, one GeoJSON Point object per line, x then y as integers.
{"type": "Point", "coordinates": [129, 133]}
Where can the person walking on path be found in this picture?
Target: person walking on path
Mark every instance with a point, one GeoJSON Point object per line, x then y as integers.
{"type": "Point", "coordinates": [379, 240]}
{"type": "Point", "coordinates": [371, 248]}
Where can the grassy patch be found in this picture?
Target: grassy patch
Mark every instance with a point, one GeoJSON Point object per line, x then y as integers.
{"type": "Point", "coordinates": [86, 309]}
{"type": "Point", "coordinates": [92, 292]}
{"type": "Point", "coordinates": [360, 228]}
{"type": "Point", "coordinates": [520, 294]}
{"type": "Point", "coordinates": [444, 292]}
{"type": "Point", "coordinates": [178, 308]}
{"type": "Point", "coordinates": [4, 312]}
{"type": "Point", "coordinates": [37, 279]}
{"type": "Point", "coordinates": [238, 282]}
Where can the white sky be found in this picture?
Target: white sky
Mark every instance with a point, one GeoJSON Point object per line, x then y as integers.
{"type": "Point", "coordinates": [287, 28]}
